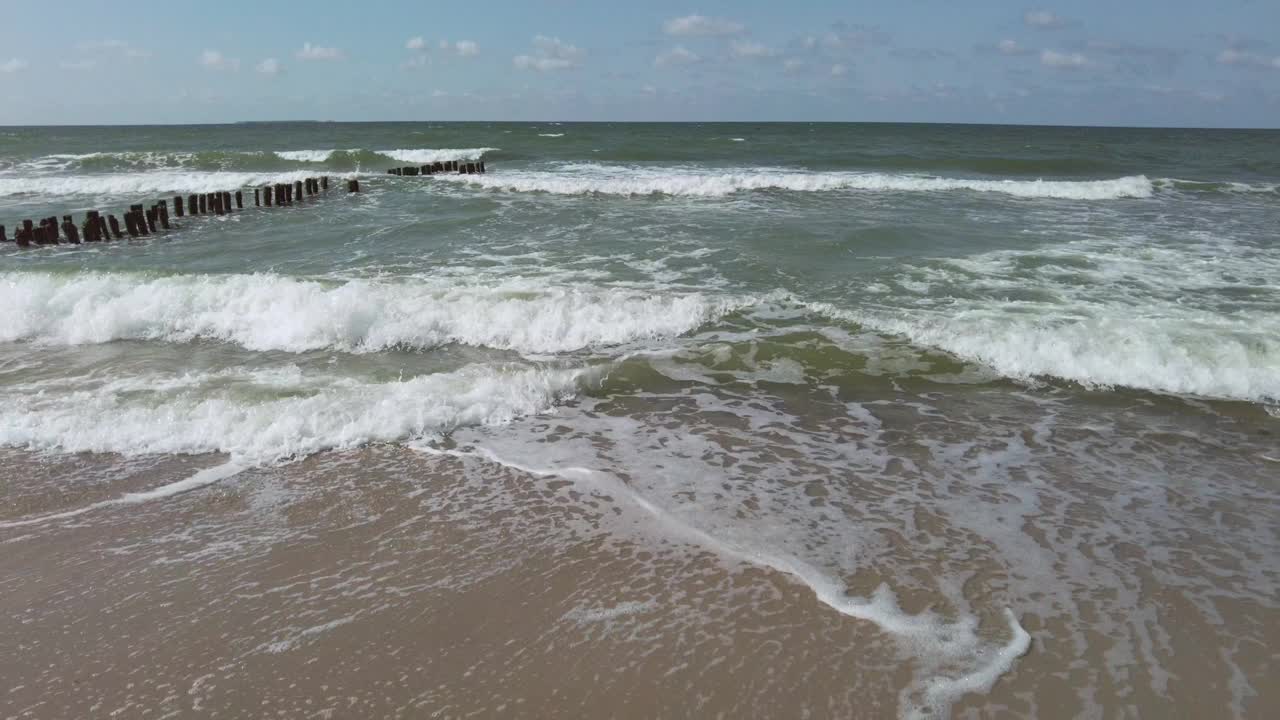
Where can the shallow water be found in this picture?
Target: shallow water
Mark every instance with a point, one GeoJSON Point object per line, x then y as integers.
{"type": "Point", "coordinates": [995, 405]}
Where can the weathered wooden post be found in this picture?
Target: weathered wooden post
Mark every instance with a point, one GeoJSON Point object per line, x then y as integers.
{"type": "Point", "coordinates": [239, 200]}
{"type": "Point", "coordinates": [353, 186]}
{"type": "Point", "coordinates": [131, 224]}
{"type": "Point", "coordinates": [163, 207]}
{"type": "Point", "coordinates": [101, 232]}
{"type": "Point", "coordinates": [150, 215]}
{"type": "Point", "coordinates": [3, 236]}
{"type": "Point", "coordinates": [203, 203]}
{"type": "Point", "coordinates": [257, 197]}
{"type": "Point", "coordinates": [177, 206]}
{"type": "Point", "coordinates": [266, 196]}
{"type": "Point", "coordinates": [297, 190]}
{"type": "Point", "coordinates": [217, 204]}
{"type": "Point", "coordinates": [21, 237]}
{"type": "Point", "coordinates": [115, 226]}
{"type": "Point", "coordinates": [226, 201]}
{"type": "Point", "coordinates": [91, 227]}
{"type": "Point", "coordinates": [324, 182]}
{"type": "Point", "coordinates": [482, 168]}
{"type": "Point", "coordinates": [140, 220]}
{"type": "Point", "coordinates": [69, 229]}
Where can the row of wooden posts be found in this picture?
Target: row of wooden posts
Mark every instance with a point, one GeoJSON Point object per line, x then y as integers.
{"type": "Point", "coordinates": [140, 221]}
{"type": "Point", "coordinates": [461, 168]}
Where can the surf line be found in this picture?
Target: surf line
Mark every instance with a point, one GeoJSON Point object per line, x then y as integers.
{"type": "Point", "coordinates": [932, 696]}
{"type": "Point", "coordinates": [207, 476]}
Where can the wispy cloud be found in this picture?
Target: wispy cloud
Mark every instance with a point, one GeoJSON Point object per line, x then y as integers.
{"type": "Point", "coordinates": [701, 25]}
{"type": "Point", "coordinates": [416, 43]}
{"type": "Point", "coordinates": [549, 53]}
{"type": "Point", "coordinates": [85, 64]}
{"type": "Point", "coordinates": [1245, 58]}
{"type": "Point", "coordinates": [1012, 48]}
{"type": "Point", "coordinates": [13, 65]}
{"type": "Point", "coordinates": [319, 52]}
{"type": "Point", "coordinates": [747, 49]}
{"type": "Point", "coordinates": [1055, 59]}
{"type": "Point", "coordinates": [678, 55]}
{"type": "Point", "coordinates": [215, 60]}
{"type": "Point", "coordinates": [839, 70]}
{"type": "Point", "coordinates": [1043, 20]}
{"type": "Point", "coordinates": [270, 66]}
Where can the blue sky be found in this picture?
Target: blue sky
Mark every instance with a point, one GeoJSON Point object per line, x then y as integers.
{"type": "Point", "coordinates": [1123, 62]}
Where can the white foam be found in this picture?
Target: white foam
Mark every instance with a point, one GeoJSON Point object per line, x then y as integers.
{"type": "Point", "coordinates": [954, 658]}
{"type": "Point", "coordinates": [203, 478]}
{"type": "Point", "coordinates": [270, 312]}
{"type": "Point", "coordinates": [585, 179]}
{"type": "Point", "coordinates": [305, 155]}
{"type": "Point", "coordinates": [112, 184]}
{"type": "Point", "coordinates": [551, 135]}
{"type": "Point", "coordinates": [426, 155]}
{"type": "Point", "coordinates": [231, 412]}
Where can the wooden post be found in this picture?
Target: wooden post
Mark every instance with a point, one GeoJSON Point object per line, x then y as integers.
{"type": "Point", "coordinates": [131, 224]}
{"type": "Point", "coordinates": [482, 167]}
{"type": "Point", "coordinates": [257, 197]}
{"type": "Point", "coordinates": [22, 236]}
{"type": "Point", "coordinates": [140, 220]}
{"type": "Point", "coordinates": [91, 227]}
{"type": "Point", "coordinates": [324, 183]}
{"type": "Point", "coordinates": [353, 186]}
{"type": "Point", "coordinates": [216, 200]}
{"type": "Point", "coordinates": [177, 206]}
{"type": "Point", "coordinates": [297, 190]}
{"type": "Point", "coordinates": [163, 207]}
{"type": "Point", "coordinates": [239, 200]}
{"type": "Point", "coordinates": [150, 215]}
{"type": "Point", "coordinates": [226, 201]}
{"type": "Point", "coordinates": [204, 204]}
{"type": "Point", "coordinates": [115, 226]}
{"type": "Point", "coordinates": [266, 196]}
{"type": "Point", "coordinates": [69, 229]}
{"type": "Point", "coordinates": [3, 236]}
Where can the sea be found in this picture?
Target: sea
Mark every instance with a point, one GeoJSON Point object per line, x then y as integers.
{"type": "Point", "coordinates": [648, 420]}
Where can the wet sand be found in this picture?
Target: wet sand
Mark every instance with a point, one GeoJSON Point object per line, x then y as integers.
{"type": "Point", "coordinates": [391, 583]}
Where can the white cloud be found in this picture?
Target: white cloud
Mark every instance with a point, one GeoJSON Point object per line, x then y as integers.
{"type": "Point", "coordinates": [417, 61]}
{"type": "Point", "coordinates": [215, 60]}
{"type": "Point", "coordinates": [1055, 59]}
{"type": "Point", "coordinates": [1231, 56]}
{"type": "Point", "coordinates": [839, 70]}
{"type": "Point", "coordinates": [1042, 19]}
{"type": "Point", "coordinates": [415, 43]}
{"type": "Point", "coordinates": [439, 94]}
{"type": "Point", "coordinates": [745, 49]}
{"type": "Point", "coordinates": [317, 52]}
{"type": "Point", "coordinates": [792, 65]}
{"type": "Point", "coordinates": [701, 25]}
{"type": "Point", "coordinates": [13, 65]}
{"type": "Point", "coordinates": [549, 54]}
{"type": "Point", "coordinates": [270, 66]}
{"type": "Point", "coordinates": [78, 64]}
{"type": "Point", "coordinates": [1011, 47]}
{"type": "Point", "coordinates": [466, 48]}
{"type": "Point", "coordinates": [678, 55]}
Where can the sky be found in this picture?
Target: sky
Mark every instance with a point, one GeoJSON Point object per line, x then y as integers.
{"type": "Point", "coordinates": [1085, 62]}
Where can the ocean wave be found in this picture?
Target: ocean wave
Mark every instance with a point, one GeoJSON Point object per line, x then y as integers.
{"type": "Point", "coordinates": [261, 417]}
{"type": "Point", "coordinates": [271, 312]}
{"type": "Point", "coordinates": [425, 155]}
{"type": "Point", "coordinates": [1175, 355]}
{"type": "Point", "coordinates": [305, 155]}
{"type": "Point", "coordinates": [233, 160]}
{"type": "Point", "coordinates": [630, 181]}
{"type": "Point", "coordinates": [1214, 186]}
{"type": "Point", "coordinates": [133, 184]}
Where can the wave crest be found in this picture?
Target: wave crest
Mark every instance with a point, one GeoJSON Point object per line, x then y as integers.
{"type": "Point", "coordinates": [270, 312]}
